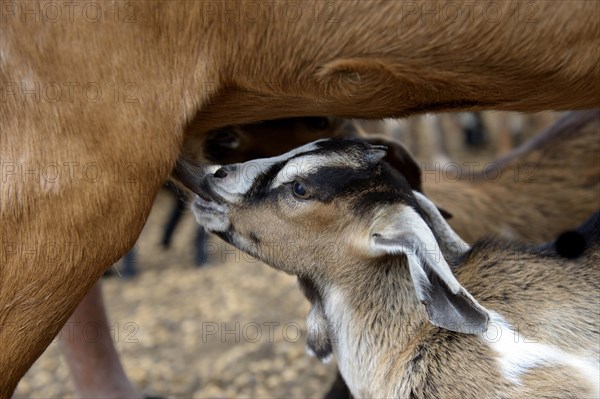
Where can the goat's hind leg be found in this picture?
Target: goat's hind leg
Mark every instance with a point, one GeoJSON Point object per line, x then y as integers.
{"type": "Point", "coordinates": [94, 363]}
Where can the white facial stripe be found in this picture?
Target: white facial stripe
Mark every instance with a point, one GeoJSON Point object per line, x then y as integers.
{"type": "Point", "coordinates": [246, 173]}
{"type": "Point", "coordinates": [518, 355]}
{"type": "Point", "coordinates": [305, 165]}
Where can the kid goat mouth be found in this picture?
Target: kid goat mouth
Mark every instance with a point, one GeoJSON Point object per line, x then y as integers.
{"type": "Point", "coordinates": [208, 205]}
{"type": "Point", "coordinates": [207, 193]}
{"type": "Point", "coordinates": [207, 200]}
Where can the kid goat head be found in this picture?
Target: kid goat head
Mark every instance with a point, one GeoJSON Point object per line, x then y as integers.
{"type": "Point", "coordinates": [331, 210]}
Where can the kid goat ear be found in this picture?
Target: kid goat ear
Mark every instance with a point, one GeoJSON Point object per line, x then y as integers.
{"type": "Point", "coordinates": [449, 305]}
{"type": "Point", "coordinates": [375, 154]}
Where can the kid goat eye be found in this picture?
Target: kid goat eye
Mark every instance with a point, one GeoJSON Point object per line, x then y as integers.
{"type": "Point", "coordinates": [299, 190]}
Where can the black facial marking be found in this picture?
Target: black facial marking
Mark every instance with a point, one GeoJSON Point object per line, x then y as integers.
{"type": "Point", "coordinates": [390, 187]}
{"type": "Point", "coordinates": [263, 181]}
{"type": "Point", "coordinates": [261, 184]}
{"type": "Point", "coordinates": [363, 181]}
{"type": "Point", "coordinates": [331, 182]}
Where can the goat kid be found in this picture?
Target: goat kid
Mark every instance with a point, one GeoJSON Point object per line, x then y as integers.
{"type": "Point", "coordinates": [540, 189]}
{"type": "Point", "coordinates": [382, 269]}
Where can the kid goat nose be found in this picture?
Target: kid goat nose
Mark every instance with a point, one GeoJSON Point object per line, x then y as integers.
{"type": "Point", "coordinates": [221, 173]}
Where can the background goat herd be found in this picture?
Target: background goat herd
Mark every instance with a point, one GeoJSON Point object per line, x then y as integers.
{"type": "Point", "coordinates": [452, 159]}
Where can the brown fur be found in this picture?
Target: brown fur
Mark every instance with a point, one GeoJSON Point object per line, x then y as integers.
{"type": "Point", "coordinates": [187, 63]}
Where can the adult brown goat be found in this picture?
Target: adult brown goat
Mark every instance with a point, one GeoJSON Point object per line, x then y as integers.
{"type": "Point", "coordinates": [96, 102]}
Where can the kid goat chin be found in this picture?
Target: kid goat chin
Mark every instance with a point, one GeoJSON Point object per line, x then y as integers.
{"type": "Point", "coordinates": [410, 310]}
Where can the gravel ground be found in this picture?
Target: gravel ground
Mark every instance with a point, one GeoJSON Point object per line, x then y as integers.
{"type": "Point", "coordinates": [232, 328]}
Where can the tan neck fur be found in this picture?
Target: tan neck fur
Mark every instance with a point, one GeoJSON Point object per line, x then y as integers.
{"type": "Point", "coordinates": [386, 347]}
{"type": "Point", "coordinates": [371, 328]}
